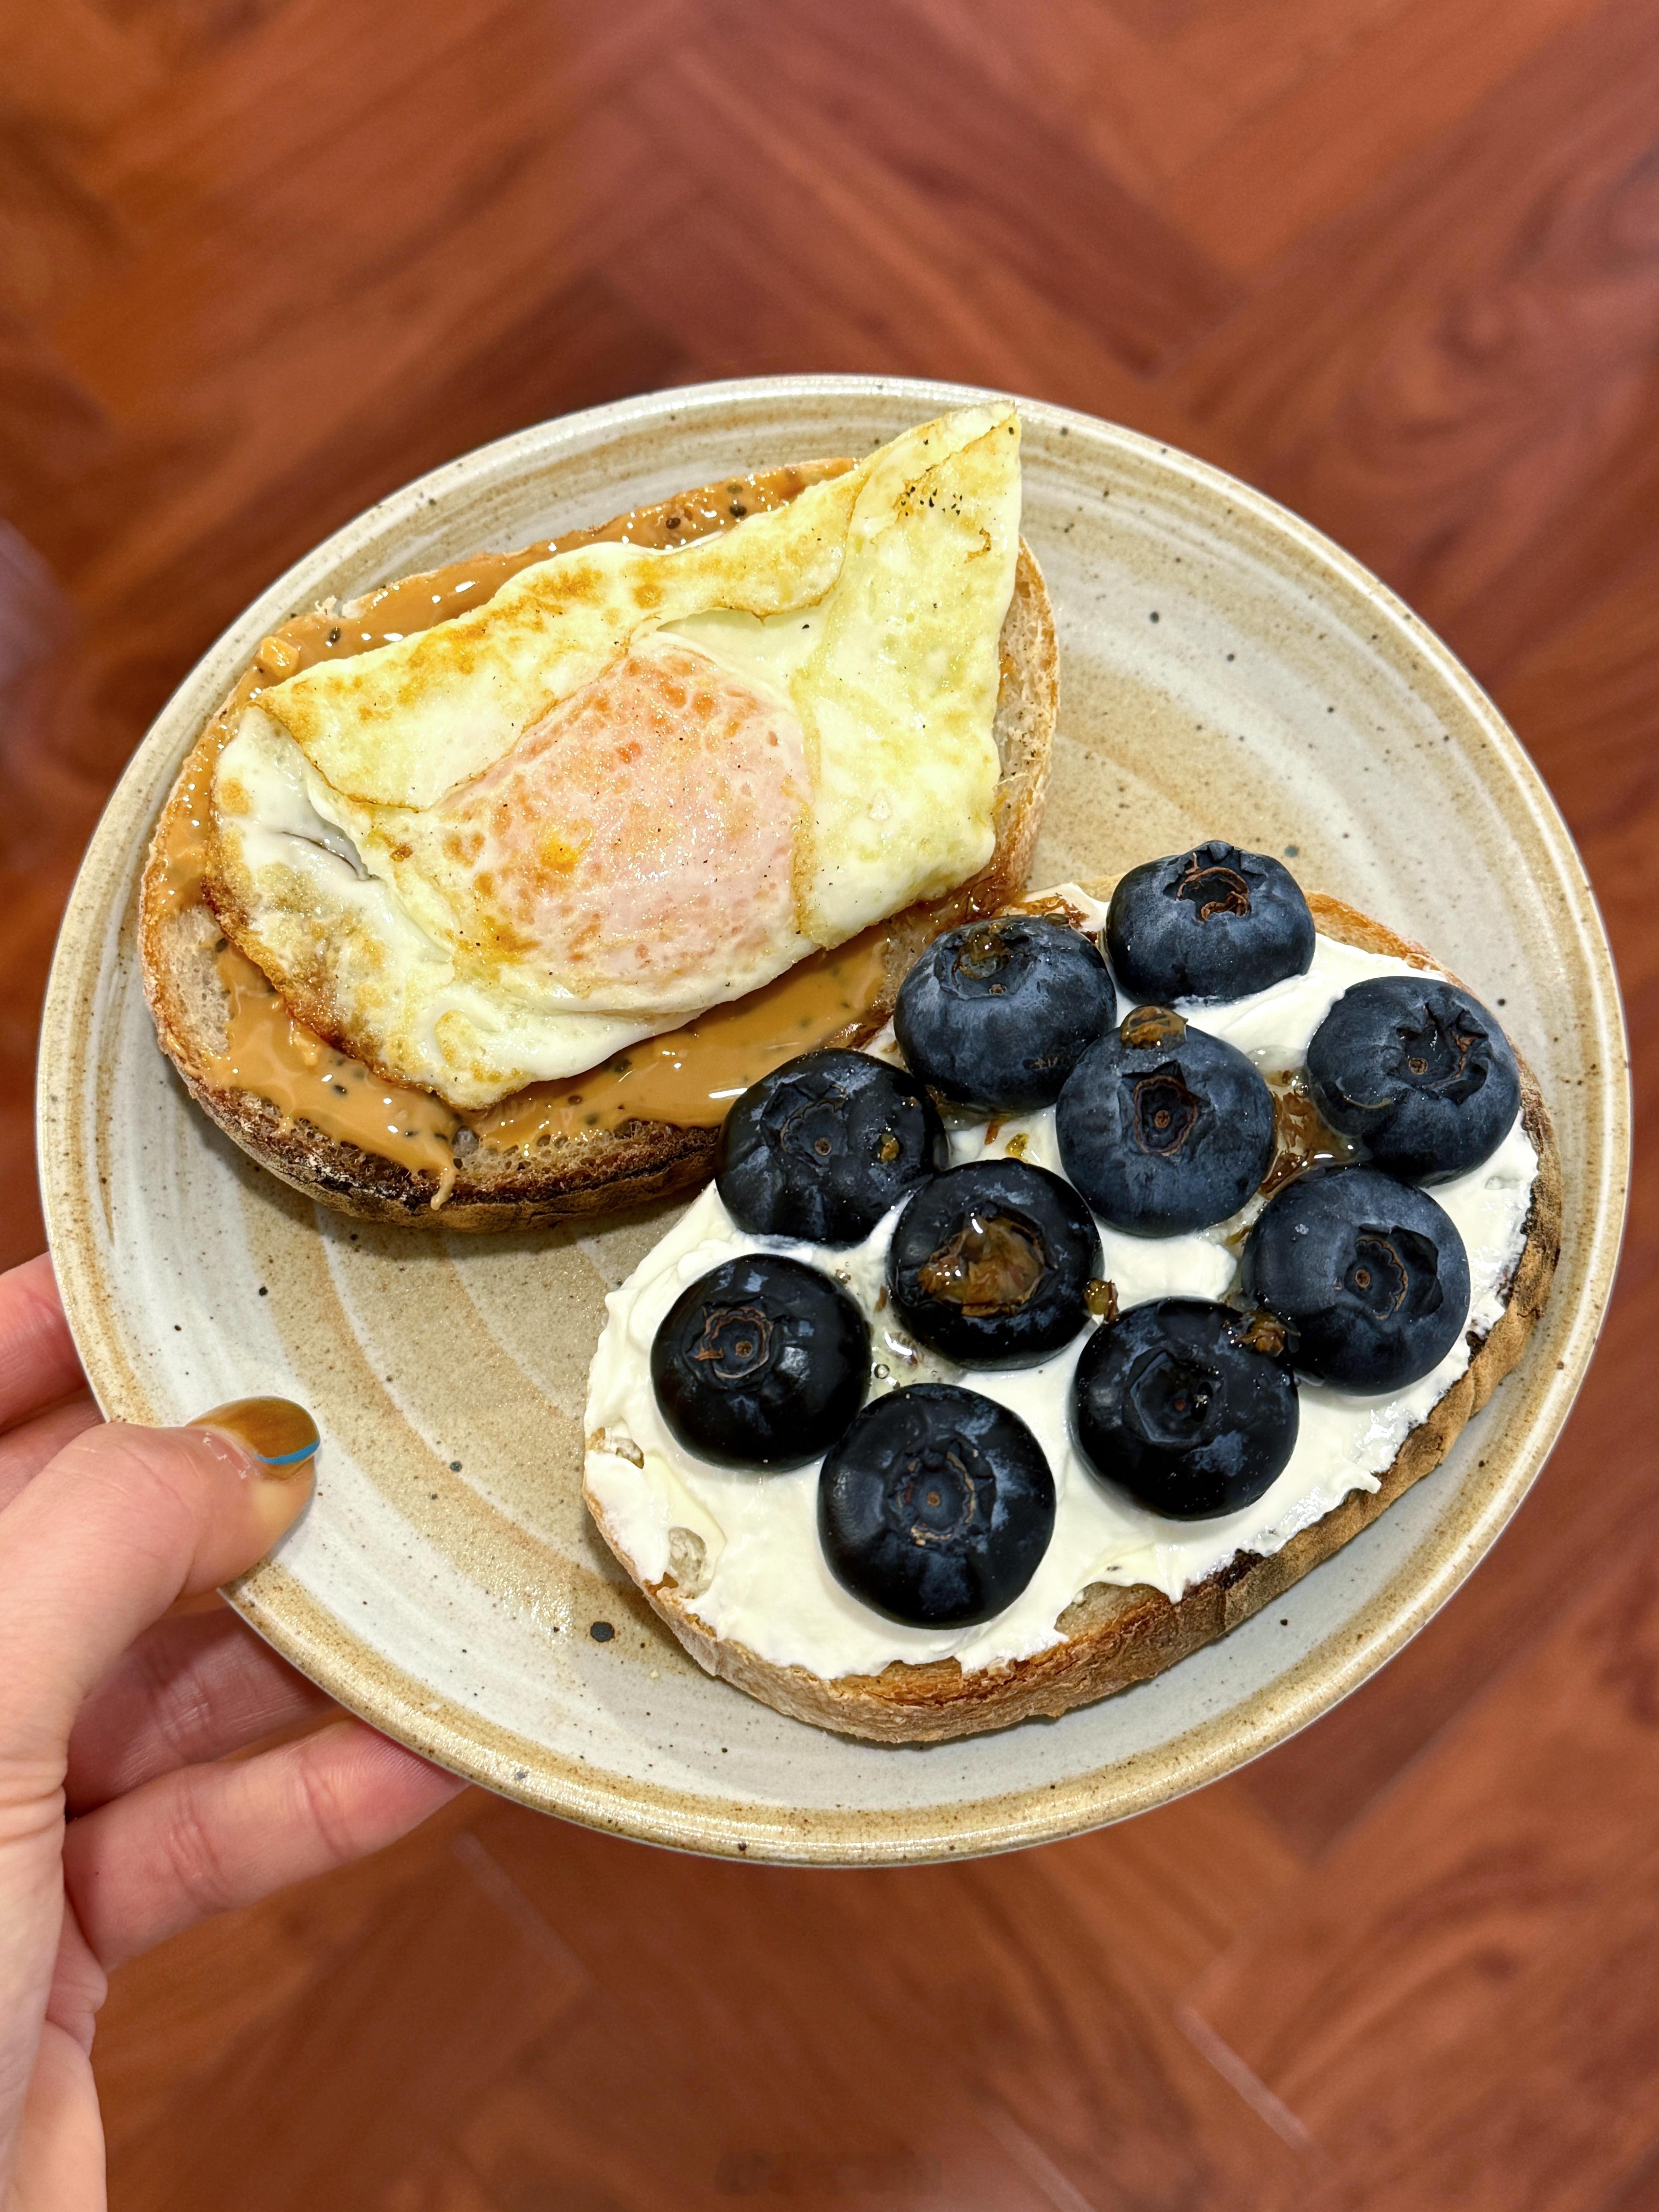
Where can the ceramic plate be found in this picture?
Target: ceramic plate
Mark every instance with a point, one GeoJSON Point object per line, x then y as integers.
{"type": "Point", "coordinates": [1226, 670]}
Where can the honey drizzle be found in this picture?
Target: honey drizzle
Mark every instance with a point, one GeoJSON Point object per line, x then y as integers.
{"type": "Point", "coordinates": [688, 1076]}
{"type": "Point", "coordinates": [1302, 1136]}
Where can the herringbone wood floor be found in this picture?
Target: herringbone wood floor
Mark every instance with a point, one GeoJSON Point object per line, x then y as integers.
{"type": "Point", "coordinates": [1397, 261]}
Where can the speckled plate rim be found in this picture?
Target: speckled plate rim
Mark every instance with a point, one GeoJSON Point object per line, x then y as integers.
{"type": "Point", "coordinates": [364, 1682]}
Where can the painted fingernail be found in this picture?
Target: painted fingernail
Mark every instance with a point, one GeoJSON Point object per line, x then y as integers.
{"type": "Point", "coordinates": [281, 1435]}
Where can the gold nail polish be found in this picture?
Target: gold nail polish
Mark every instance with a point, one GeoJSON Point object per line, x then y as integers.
{"type": "Point", "coordinates": [281, 1435]}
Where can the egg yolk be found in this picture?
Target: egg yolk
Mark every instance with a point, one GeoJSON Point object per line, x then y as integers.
{"type": "Point", "coordinates": [642, 832]}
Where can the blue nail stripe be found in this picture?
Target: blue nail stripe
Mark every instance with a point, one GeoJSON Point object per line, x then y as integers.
{"type": "Point", "coordinates": [285, 1459]}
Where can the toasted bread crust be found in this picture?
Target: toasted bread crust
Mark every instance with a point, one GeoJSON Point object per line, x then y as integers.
{"type": "Point", "coordinates": [605, 1171]}
{"type": "Point", "coordinates": [1118, 1635]}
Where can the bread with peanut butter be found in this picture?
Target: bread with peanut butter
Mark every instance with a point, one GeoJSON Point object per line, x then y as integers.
{"type": "Point", "coordinates": [1164, 1587]}
{"type": "Point", "coordinates": [374, 785]}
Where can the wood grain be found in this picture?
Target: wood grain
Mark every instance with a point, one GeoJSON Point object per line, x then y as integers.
{"type": "Point", "coordinates": [1329, 1993]}
{"type": "Point", "coordinates": [1396, 261]}
{"type": "Point", "coordinates": [1247, 204]}
{"type": "Point", "coordinates": [1406, 384]}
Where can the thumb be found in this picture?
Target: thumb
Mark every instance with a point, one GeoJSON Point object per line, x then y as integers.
{"type": "Point", "coordinates": [120, 1523]}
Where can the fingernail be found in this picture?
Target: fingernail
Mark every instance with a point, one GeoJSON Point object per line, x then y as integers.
{"type": "Point", "coordinates": [281, 1435]}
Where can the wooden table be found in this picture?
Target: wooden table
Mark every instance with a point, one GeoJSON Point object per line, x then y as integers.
{"type": "Point", "coordinates": [1397, 261]}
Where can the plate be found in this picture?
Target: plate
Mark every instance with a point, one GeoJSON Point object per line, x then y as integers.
{"type": "Point", "coordinates": [1225, 671]}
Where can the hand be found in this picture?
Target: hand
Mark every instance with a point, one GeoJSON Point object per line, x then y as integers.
{"type": "Point", "coordinates": [121, 1821]}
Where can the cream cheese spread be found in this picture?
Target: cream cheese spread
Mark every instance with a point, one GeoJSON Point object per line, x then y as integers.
{"type": "Point", "coordinates": [755, 1573]}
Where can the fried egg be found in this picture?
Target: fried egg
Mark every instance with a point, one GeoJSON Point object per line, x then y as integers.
{"type": "Point", "coordinates": [635, 783]}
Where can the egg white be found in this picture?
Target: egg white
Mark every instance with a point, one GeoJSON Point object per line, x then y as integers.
{"type": "Point", "coordinates": [412, 844]}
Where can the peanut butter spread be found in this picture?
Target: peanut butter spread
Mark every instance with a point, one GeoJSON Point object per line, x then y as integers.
{"type": "Point", "coordinates": [688, 1076]}
{"type": "Point", "coordinates": [267, 1052]}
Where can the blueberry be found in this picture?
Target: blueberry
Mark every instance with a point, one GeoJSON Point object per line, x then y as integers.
{"type": "Point", "coordinates": [997, 1013]}
{"type": "Point", "coordinates": [824, 1146]}
{"type": "Point", "coordinates": [1214, 923]}
{"type": "Point", "coordinates": [1370, 1273]}
{"type": "Point", "coordinates": [1175, 1404]}
{"type": "Point", "coordinates": [990, 1264]}
{"type": "Point", "coordinates": [936, 1507]}
{"type": "Point", "coordinates": [761, 1362]}
{"type": "Point", "coordinates": [1163, 1127]}
{"type": "Point", "coordinates": [1419, 1072]}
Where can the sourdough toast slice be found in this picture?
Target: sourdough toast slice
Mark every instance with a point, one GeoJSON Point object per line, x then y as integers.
{"type": "Point", "coordinates": [1116, 1635]}
{"type": "Point", "coordinates": [560, 1178]}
